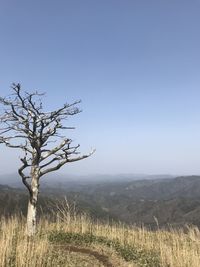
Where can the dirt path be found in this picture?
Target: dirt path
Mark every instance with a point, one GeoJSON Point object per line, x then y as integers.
{"type": "Point", "coordinates": [100, 257]}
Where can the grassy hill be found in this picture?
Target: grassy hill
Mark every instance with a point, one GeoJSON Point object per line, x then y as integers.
{"type": "Point", "coordinates": [77, 241]}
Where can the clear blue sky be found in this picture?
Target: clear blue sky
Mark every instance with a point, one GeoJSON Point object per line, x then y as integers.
{"type": "Point", "coordinates": [136, 66]}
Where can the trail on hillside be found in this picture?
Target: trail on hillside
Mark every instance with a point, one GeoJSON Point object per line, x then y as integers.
{"type": "Point", "coordinates": [100, 257]}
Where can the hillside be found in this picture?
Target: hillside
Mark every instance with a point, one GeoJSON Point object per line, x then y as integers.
{"type": "Point", "coordinates": [82, 235]}
{"type": "Point", "coordinates": [170, 201]}
{"type": "Point", "coordinates": [77, 241]}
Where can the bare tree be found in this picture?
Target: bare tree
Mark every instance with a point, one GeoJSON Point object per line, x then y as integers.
{"type": "Point", "coordinates": [25, 126]}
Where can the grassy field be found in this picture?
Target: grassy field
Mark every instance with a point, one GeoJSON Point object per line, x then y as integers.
{"type": "Point", "coordinates": [123, 245]}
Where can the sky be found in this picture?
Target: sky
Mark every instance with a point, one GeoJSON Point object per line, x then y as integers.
{"type": "Point", "coordinates": [135, 64]}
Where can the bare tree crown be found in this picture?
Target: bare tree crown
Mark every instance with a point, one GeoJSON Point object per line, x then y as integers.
{"type": "Point", "coordinates": [26, 126]}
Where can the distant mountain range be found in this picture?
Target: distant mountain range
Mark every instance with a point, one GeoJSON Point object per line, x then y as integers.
{"type": "Point", "coordinates": [171, 201]}
{"type": "Point", "coordinates": [134, 200]}
{"type": "Point", "coordinates": [58, 179]}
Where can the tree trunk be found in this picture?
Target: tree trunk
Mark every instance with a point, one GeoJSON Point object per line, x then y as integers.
{"type": "Point", "coordinates": [32, 204]}
{"type": "Point", "coordinates": [31, 218]}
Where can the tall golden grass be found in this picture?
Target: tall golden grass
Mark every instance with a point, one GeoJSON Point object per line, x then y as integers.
{"type": "Point", "coordinates": [175, 247]}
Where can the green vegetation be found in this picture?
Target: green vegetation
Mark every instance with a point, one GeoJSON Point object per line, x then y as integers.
{"type": "Point", "coordinates": [129, 253]}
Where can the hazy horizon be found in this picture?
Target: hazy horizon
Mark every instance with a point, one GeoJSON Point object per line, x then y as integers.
{"type": "Point", "coordinates": [73, 174]}
{"type": "Point", "coordinates": [134, 64]}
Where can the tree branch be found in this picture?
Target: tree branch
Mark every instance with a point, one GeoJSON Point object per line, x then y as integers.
{"type": "Point", "coordinates": [59, 165]}
{"type": "Point", "coordinates": [56, 149]}
{"type": "Point", "coordinates": [23, 176]}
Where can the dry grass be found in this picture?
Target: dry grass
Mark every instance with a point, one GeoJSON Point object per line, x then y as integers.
{"type": "Point", "coordinates": [175, 248]}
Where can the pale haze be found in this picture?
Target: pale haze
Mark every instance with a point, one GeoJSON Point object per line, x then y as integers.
{"type": "Point", "coordinates": [134, 64]}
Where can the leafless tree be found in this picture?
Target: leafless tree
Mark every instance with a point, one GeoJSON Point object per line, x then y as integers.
{"type": "Point", "coordinates": [24, 125]}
